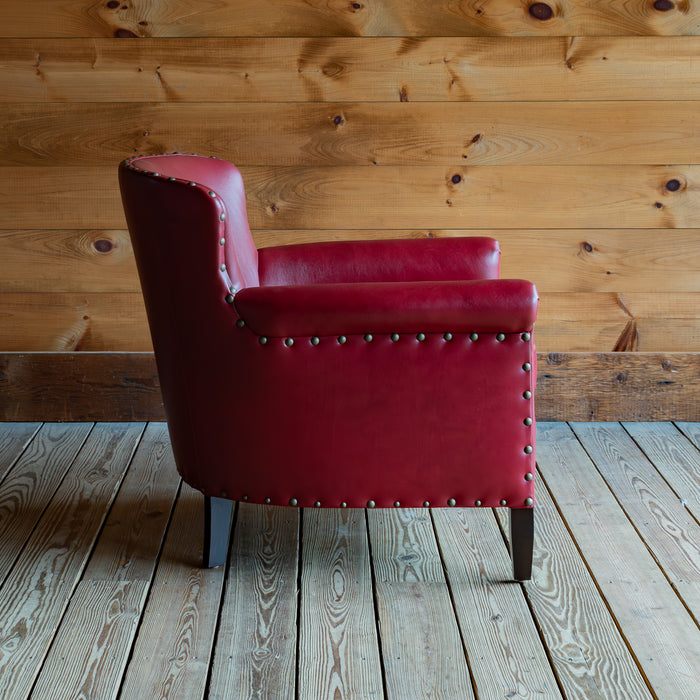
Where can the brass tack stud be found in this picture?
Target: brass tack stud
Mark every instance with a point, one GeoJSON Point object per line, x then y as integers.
{"type": "Point", "coordinates": [477, 503]}
{"type": "Point", "coordinates": [262, 340]}
{"type": "Point", "coordinates": [528, 449]}
{"type": "Point", "coordinates": [293, 502]}
{"type": "Point", "coordinates": [525, 336]}
{"type": "Point", "coordinates": [474, 337]}
{"type": "Point", "coordinates": [447, 337]}
{"type": "Point", "coordinates": [240, 323]}
{"type": "Point", "coordinates": [528, 421]}
{"type": "Point", "coordinates": [343, 505]}
{"type": "Point", "coordinates": [420, 337]}
{"type": "Point", "coordinates": [500, 337]}
{"type": "Point", "coordinates": [317, 504]}
{"type": "Point", "coordinates": [504, 502]}
{"type": "Point", "coordinates": [394, 337]}
{"type": "Point", "coordinates": [223, 494]}
{"type": "Point", "coordinates": [529, 476]}
{"type": "Point", "coordinates": [371, 504]}
{"type": "Point", "coordinates": [451, 502]}
{"type": "Point", "coordinates": [268, 500]}
{"type": "Point", "coordinates": [426, 504]}
{"type": "Point", "coordinates": [314, 340]}
{"type": "Point", "coordinates": [229, 298]}
{"type": "Point", "coordinates": [212, 194]}
{"type": "Point", "coordinates": [245, 497]}
{"type": "Point", "coordinates": [223, 267]}
{"type": "Point", "coordinates": [192, 184]}
{"type": "Point", "coordinates": [527, 394]}
{"type": "Point", "coordinates": [171, 179]}
{"type": "Point", "coordinates": [368, 338]}
{"type": "Point", "coordinates": [222, 217]}
{"type": "Point", "coordinates": [527, 367]}
{"type": "Point", "coordinates": [222, 241]}
{"type": "Point", "coordinates": [528, 501]}
{"type": "Point", "coordinates": [397, 504]}
{"type": "Point", "coordinates": [289, 342]}
{"type": "Point", "coordinates": [342, 340]}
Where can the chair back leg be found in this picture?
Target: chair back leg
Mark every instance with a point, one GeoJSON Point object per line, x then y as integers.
{"type": "Point", "coordinates": [217, 525]}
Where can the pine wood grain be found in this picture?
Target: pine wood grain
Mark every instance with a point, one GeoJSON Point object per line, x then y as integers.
{"type": "Point", "coordinates": [691, 431]}
{"type": "Point", "coordinates": [674, 456]}
{"type": "Point", "coordinates": [74, 322]}
{"type": "Point", "coordinates": [587, 651]}
{"type": "Point", "coordinates": [28, 489]}
{"type": "Point", "coordinates": [660, 632]}
{"type": "Point", "coordinates": [130, 541]}
{"type": "Point", "coordinates": [255, 655]}
{"type": "Point", "coordinates": [330, 69]}
{"type": "Point", "coordinates": [422, 651]}
{"type": "Point", "coordinates": [36, 593]}
{"type": "Point", "coordinates": [497, 628]}
{"type": "Point", "coordinates": [14, 437]}
{"type": "Point", "coordinates": [665, 525]}
{"type": "Point", "coordinates": [91, 649]}
{"type": "Point", "coordinates": [567, 322]}
{"type": "Point", "coordinates": [67, 260]}
{"type": "Point", "coordinates": [401, 197]}
{"type": "Point", "coordinates": [178, 18]}
{"type": "Point", "coordinates": [352, 133]}
{"type": "Point", "coordinates": [173, 649]}
{"type": "Point", "coordinates": [568, 260]}
{"type": "Point", "coordinates": [338, 646]}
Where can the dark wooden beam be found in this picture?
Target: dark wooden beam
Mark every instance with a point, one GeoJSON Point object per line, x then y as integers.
{"type": "Point", "coordinates": [123, 386]}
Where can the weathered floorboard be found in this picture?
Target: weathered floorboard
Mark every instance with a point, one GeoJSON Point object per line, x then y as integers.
{"type": "Point", "coordinates": [587, 651]}
{"type": "Point", "coordinates": [255, 654]}
{"type": "Point", "coordinates": [173, 649]}
{"type": "Point", "coordinates": [421, 647]}
{"type": "Point", "coordinates": [667, 527]}
{"type": "Point", "coordinates": [674, 456]}
{"type": "Point", "coordinates": [28, 489]}
{"type": "Point", "coordinates": [661, 634]}
{"type": "Point", "coordinates": [496, 624]}
{"type": "Point", "coordinates": [90, 651]}
{"type": "Point", "coordinates": [14, 437]}
{"type": "Point", "coordinates": [37, 591]}
{"type": "Point", "coordinates": [338, 646]}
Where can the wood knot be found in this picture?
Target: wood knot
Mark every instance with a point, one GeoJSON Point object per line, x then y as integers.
{"type": "Point", "coordinates": [103, 245]}
{"type": "Point", "coordinates": [113, 4]}
{"type": "Point", "coordinates": [356, 6]}
{"type": "Point", "coordinates": [658, 205]}
{"type": "Point", "coordinates": [673, 185]}
{"type": "Point", "coordinates": [663, 5]}
{"type": "Point", "coordinates": [124, 34]}
{"type": "Point", "coordinates": [541, 11]}
{"type": "Point", "coordinates": [476, 138]}
{"type": "Point", "coordinates": [587, 247]}
{"type": "Point", "coordinates": [338, 120]}
{"type": "Point", "coordinates": [456, 179]}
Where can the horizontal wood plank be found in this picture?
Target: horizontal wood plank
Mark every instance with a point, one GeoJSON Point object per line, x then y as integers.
{"type": "Point", "coordinates": [523, 196]}
{"type": "Point", "coordinates": [389, 18]}
{"type": "Point", "coordinates": [376, 69]}
{"type": "Point", "coordinates": [565, 260]}
{"type": "Point", "coordinates": [346, 133]}
{"type": "Point", "coordinates": [567, 322]}
{"type": "Point", "coordinates": [571, 386]}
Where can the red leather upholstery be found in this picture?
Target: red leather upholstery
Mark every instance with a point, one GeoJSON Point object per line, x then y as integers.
{"type": "Point", "coordinates": [397, 372]}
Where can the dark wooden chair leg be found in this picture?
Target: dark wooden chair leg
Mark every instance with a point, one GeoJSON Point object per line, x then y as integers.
{"type": "Point", "coordinates": [522, 534]}
{"type": "Point", "coordinates": [217, 525]}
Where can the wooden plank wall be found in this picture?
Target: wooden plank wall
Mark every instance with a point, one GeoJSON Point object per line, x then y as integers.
{"type": "Point", "coordinates": [568, 129]}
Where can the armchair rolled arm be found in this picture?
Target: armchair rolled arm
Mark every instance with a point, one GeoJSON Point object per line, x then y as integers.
{"type": "Point", "coordinates": [403, 260]}
{"type": "Point", "coordinates": [507, 306]}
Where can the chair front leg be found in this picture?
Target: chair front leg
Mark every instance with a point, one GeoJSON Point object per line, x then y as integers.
{"type": "Point", "coordinates": [522, 534]}
{"type": "Point", "coordinates": [217, 525]}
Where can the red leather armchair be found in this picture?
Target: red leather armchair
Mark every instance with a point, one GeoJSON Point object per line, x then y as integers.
{"type": "Point", "coordinates": [347, 374]}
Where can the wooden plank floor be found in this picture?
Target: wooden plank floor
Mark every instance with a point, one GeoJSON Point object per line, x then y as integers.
{"type": "Point", "coordinates": [102, 595]}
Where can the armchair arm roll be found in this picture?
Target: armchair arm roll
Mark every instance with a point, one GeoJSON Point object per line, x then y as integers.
{"type": "Point", "coordinates": [403, 260]}
{"type": "Point", "coordinates": [507, 306]}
